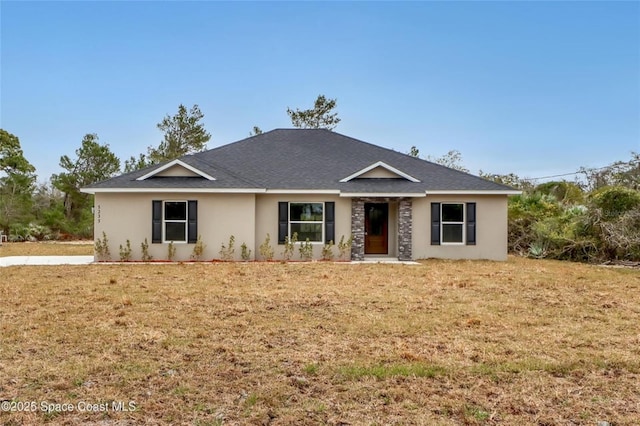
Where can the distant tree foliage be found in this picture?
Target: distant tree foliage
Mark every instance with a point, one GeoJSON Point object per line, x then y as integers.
{"type": "Point", "coordinates": [255, 131]}
{"type": "Point", "coordinates": [620, 173]}
{"type": "Point", "coordinates": [321, 116]}
{"type": "Point", "coordinates": [133, 163]}
{"type": "Point", "coordinates": [183, 134]}
{"type": "Point", "coordinates": [12, 158]}
{"type": "Point", "coordinates": [93, 163]}
{"type": "Point", "coordinates": [511, 179]}
{"type": "Point", "coordinates": [452, 159]}
{"type": "Point", "coordinates": [17, 180]}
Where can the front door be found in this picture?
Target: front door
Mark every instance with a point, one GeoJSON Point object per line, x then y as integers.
{"type": "Point", "coordinates": [376, 224]}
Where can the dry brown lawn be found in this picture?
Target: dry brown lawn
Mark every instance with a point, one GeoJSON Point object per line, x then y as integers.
{"type": "Point", "coordinates": [445, 343]}
{"type": "Point", "coordinates": [74, 248]}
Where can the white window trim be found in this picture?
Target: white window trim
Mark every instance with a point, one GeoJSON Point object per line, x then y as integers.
{"type": "Point", "coordinates": [463, 223]}
{"type": "Point", "coordinates": [165, 221]}
{"type": "Point", "coordinates": [306, 221]}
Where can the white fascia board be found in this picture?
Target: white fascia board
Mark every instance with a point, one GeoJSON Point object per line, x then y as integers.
{"type": "Point", "coordinates": [176, 163]}
{"type": "Point", "coordinates": [474, 192]}
{"type": "Point", "coordinates": [176, 190]}
{"type": "Point", "coordinates": [384, 166]}
{"type": "Point", "coordinates": [302, 191]}
{"type": "Point", "coordinates": [383, 194]}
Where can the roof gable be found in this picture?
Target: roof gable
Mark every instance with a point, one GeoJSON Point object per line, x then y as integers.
{"type": "Point", "coordinates": [379, 170]}
{"type": "Point", "coordinates": [176, 168]}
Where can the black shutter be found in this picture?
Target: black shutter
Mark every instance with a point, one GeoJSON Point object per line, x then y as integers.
{"type": "Point", "coordinates": [283, 221]}
{"type": "Point", "coordinates": [192, 221]}
{"type": "Point", "coordinates": [471, 224]}
{"type": "Point", "coordinates": [435, 224]}
{"type": "Point", "coordinates": [156, 221]}
{"type": "Point", "coordinates": [329, 222]}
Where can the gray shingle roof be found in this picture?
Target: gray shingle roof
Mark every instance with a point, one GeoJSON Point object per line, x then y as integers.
{"type": "Point", "coordinates": [306, 159]}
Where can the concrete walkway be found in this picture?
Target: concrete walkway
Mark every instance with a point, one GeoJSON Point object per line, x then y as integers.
{"type": "Point", "coordinates": [45, 260]}
{"type": "Point", "coordinates": [85, 260]}
{"type": "Point", "coordinates": [396, 261]}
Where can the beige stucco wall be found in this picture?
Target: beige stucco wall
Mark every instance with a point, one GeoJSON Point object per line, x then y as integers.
{"type": "Point", "coordinates": [266, 214]}
{"type": "Point", "coordinates": [128, 216]}
{"type": "Point", "coordinates": [250, 217]}
{"type": "Point", "coordinates": [491, 229]}
{"type": "Point", "coordinates": [378, 172]}
{"type": "Point", "coordinates": [176, 171]}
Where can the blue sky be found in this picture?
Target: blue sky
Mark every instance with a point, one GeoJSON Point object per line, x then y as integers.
{"type": "Point", "coordinates": [534, 88]}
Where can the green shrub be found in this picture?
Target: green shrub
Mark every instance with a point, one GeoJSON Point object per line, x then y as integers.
{"type": "Point", "coordinates": [344, 247]}
{"type": "Point", "coordinates": [266, 251]}
{"type": "Point", "coordinates": [289, 246]}
{"type": "Point", "coordinates": [198, 249]}
{"type": "Point", "coordinates": [245, 252]}
{"type": "Point", "coordinates": [306, 250]}
{"type": "Point", "coordinates": [327, 251]}
{"type": "Point", "coordinates": [125, 252]}
{"type": "Point", "coordinates": [226, 252]}
{"type": "Point", "coordinates": [30, 232]}
{"type": "Point", "coordinates": [563, 191]}
{"type": "Point", "coordinates": [102, 248]}
{"type": "Point", "coordinates": [144, 247]}
{"type": "Point", "coordinates": [524, 212]}
{"type": "Point", "coordinates": [615, 201]}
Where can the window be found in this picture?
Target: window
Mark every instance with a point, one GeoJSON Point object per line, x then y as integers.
{"type": "Point", "coordinates": [175, 221]}
{"type": "Point", "coordinates": [307, 220]}
{"type": "Point", "coordinates": [452, 223]}
{"type": "Point", "coordinates": [310, 220]}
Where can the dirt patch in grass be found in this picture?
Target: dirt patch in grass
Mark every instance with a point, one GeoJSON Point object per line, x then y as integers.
{"type": "Point", "coordinates": [53, 248]}
{"type": "Point", "coordinates": [444, 343]}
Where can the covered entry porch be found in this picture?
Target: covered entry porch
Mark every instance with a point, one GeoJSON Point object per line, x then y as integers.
{"type": "Point", "coordinates": [381, 227]}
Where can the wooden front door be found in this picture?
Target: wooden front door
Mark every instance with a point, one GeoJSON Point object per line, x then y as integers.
{"type": "Point", "coordinates": [376, 225]}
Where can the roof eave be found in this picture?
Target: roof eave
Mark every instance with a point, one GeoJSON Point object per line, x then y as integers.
{"type": "Point", "coordinates": [90, 190]}
{"type": "Point", "coordinates": [179, 190]}
{"type": "Point", "coordinates": [474, 192]}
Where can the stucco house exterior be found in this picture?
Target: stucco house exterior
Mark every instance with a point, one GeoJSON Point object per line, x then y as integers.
{"type": "Point", "coordinates": [317, 183]}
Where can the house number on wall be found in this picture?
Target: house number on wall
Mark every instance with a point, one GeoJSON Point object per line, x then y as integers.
{"type": "Point", "coordinates": [98, 213]}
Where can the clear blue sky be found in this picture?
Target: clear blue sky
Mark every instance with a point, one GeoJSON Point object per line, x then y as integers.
{"type": "Point", "coordinates": [534, 88]}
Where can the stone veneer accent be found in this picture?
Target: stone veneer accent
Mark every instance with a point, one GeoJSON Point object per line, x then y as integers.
{"type": "Point", "coordinates": [404, 225]}
{"type": "Point", "coordinates": [357, 228]}
{"type": "Point", "coordinates": [404, 229]}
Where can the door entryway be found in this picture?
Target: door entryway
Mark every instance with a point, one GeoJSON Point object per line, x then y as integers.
{"type": "Point", "coordinates": [376, 228]}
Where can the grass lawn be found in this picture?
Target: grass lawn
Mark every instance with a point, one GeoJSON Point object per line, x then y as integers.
{"type": "Point", "coordinates": [523, 342]}
{"type": "Point", "coordinates": [80, 248]}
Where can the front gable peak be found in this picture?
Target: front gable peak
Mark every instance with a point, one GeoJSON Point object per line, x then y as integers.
{"type": "Point", "coordinates": [176, 168]}
{"type": "Point", "coordinates": [379, 170]}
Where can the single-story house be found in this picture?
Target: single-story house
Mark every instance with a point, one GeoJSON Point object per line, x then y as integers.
{"type": "Point", "coordinates": [322, 185]}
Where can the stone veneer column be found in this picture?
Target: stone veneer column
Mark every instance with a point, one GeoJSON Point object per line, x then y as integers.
{"type": "Point", "coordinates": [357, 229]}
{"type": "Point", "coordinates": [404, 229]}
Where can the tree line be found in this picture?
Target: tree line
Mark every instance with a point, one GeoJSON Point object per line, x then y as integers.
{"type": "Point", "coordinates": [595, 218]}
{"type": "Point", "coordinates": [57, 209]}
